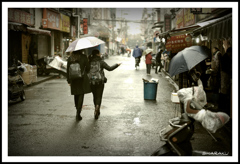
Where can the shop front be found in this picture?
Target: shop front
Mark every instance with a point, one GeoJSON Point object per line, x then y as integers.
{"type": "Point", "coordinates": [18, 37]}
{"type": "Point", "coordinates": [59, 24]}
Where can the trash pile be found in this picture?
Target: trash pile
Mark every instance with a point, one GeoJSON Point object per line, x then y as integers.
{"type": "Point", "coordinates": [150, 81]}
{"type": "Point", "coordinates": [30, 73]}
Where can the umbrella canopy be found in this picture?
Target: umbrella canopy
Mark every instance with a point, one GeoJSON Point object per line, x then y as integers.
{"type": "Point", "coordinates": [186, 59]}
{"type": "Point", "coordinates": [83, 43]}
{"type": "Point", "coordinates": [147, 51]}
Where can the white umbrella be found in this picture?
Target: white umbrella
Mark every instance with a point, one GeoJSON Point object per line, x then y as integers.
{"type": "Point", "coordinates": [83, 43]}
{"type": "Point", "coordinates": [147, 51]}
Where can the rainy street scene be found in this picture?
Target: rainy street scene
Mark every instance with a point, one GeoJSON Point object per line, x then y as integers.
{"type": "Point", "coordinates": [119, 82]}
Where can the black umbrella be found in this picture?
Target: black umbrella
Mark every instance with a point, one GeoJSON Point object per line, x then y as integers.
{"type": "Point", "coordinates": [186, 59]}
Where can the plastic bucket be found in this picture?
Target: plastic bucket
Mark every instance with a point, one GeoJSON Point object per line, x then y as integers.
{"type": "Point", "coordinates": [150, 90]}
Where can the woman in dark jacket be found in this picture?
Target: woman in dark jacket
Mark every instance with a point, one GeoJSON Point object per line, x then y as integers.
{"type": "Point", "coordinates": [79, 87]}
{"type": "Point", "coordinates": [97, 88]}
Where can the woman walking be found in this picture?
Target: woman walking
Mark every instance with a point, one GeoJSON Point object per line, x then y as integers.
{"type": "Point", "coordinates": [97, 78]}
{"type": "Point", "coordinates": [79, 87]}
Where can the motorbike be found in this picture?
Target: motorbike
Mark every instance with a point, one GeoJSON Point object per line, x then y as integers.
{"type": "Point", "coordinates": [15, 83]}
{"type": "Point", "coordinates": [177, 136]}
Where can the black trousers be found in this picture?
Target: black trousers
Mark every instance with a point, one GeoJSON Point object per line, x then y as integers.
{"type": "Point", "coordinates": [78, 99]}
{"type": "Point", "coordinates": [148, 68]}
{"type": "Point", "coordinates": [97, 91]}
{"type": "Point", "coordinates": [158, 65]}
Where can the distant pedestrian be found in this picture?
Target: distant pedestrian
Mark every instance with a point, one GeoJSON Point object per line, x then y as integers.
{"type": "Point", "coordinates": [148, 60]}
{"type": "Point", "coordinates": [137, 54]}
{"type": "Point", "coordinates": [158, 61]}
{"type": "Point", "coordinates": [97, 78]}
{"type": "Point", "coordinates": [79, 87]}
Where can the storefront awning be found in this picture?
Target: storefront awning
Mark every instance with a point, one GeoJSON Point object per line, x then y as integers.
{"type": "Point", "coordinates": [16, 26]}
{"type": "Point", "coordinates": [38, 31]}
{"type": "Point", "coordinates": [218, 29]}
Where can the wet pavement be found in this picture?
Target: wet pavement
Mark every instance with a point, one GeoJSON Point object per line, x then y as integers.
{"type": "Point", "coordinates": [44, 124]}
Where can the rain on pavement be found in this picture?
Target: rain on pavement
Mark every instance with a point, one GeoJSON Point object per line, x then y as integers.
{"type": "Point", "coordinates": [44, 124]}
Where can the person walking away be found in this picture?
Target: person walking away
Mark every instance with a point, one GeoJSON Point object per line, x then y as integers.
{"type": "Point", "coordinates": [137, 54]}
{"type": "Point", "coordinates": [226, 78]}
{"type": "Point", "coordinates": [158, 61]}
{"type": "Point", "coordinates": [148, 60]}
{"type": "Point", "coordinates": [216, 73]}
{"type": "Point", "coordinates": [97, 78]}
{"type": "Point", "coordinates": [79, 87]}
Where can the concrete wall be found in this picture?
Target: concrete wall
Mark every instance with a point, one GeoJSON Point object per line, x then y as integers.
{"type": "Point", "coordinates": [38, 17]}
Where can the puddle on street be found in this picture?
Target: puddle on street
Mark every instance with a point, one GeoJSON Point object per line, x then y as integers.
{"type": "Point", "coordinates": [136, 121]}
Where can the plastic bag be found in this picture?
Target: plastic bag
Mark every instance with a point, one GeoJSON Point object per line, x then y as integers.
{"type": "Point", "coordinates": [212, 121]}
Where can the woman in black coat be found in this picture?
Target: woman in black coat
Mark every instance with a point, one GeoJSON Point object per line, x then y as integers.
{"type": "Point", "coordinates": [79, 87]}
{"type": "Point", "coordinates": [97, 88]}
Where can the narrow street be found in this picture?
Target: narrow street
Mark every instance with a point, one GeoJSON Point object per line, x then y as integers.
{"type": "Point", "coordinates": [44, 124]}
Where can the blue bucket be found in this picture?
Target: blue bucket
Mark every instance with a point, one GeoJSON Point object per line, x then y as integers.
{"type": "Point", "coordinates": [150, 90]}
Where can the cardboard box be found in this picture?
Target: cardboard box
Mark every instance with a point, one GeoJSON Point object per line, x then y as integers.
{"type": "Point", "coordinates": [174, 98]}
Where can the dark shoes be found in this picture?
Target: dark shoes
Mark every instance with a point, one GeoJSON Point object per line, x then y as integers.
{"type": "Point", "coordinates": [97, 112]}
{"type": "Point", "coordinates": [78, 116]}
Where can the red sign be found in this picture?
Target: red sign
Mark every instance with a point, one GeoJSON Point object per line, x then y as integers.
{"type": "Point", "coordinates": [53, 19]}
{"type": "Point", "coordinates": [20, 16]}
{"type": "Point", "coordinates": [178, 43]}
{"type": "Point", "coordinates": [167, 22]}
{"type": "Point", "coordinates": [85, 26]}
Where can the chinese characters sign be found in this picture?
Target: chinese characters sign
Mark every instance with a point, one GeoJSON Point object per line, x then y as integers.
{"type": "Point", "coordinates": [85, 26]}
{"type": "Point", "coordinates": [65, 23]}
{"type": "Point", "coordinates": [167, 22]}
{"type": "Point", "coordinates": [178, 43]}
{"type": "Point", "coordinates": [20, 16]}
{"type": "Point", "coordinates": [184, 18]}
{"type": "Point", "coordinates": [51, 19]}
{"type": "Point", "coordinates": [189, 18]}
{"type": "Point", "coordinates": [179, 19]}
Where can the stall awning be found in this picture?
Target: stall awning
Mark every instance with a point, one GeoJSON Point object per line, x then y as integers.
{"type": "Point", "coordinates": [218, 29]}
{"type": "Point", "coordinates": [16, 26]}
{"type": "Point", "coordinates": [38, 31]}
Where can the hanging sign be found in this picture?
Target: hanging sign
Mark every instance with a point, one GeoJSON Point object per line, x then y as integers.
{"type": "Point", "coordinates": [167, 22]}
{"type": "Point", "coordinates": [178, 43]}
{"type": "Point", "coordinates": [85, 26]}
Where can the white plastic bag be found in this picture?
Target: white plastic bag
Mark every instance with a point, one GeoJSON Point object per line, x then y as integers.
{"type": "Point", "coordinates": [212, 121]}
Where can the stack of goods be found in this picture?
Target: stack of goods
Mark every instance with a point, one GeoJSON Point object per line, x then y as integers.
{"type": "Point", "coordinates": [30, 75]}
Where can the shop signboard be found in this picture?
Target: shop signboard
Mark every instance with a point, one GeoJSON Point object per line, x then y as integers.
{"type": "Point", "coordinates": [167, 22]}
{"type": "Point", "coordinates": [85, 26]}
{"type": "Point", "coordinates": [53, 19]}
{"type": "Point", "coordinates": [179, 19]}
{"type": "Point", "coordinates": [20, 16]}
{"type": "Point", "coordinates": [65, 23]}
{"type": "Point", "coordinates": [189, 18]}
{"type": "Point", "coordinates": [178, 43]}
